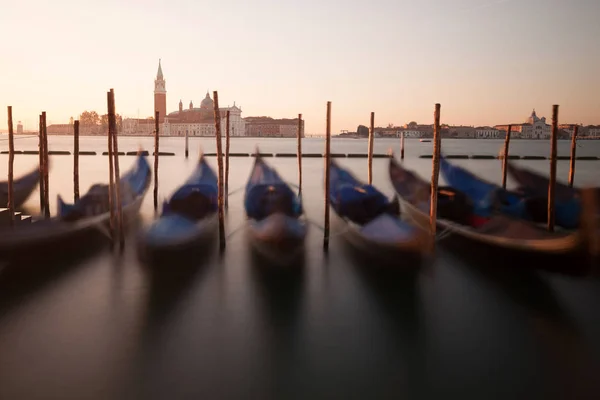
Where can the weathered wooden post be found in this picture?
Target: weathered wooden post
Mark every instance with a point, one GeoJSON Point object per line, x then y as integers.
{"type": "Point", "coordinates": [112, 129]}
{"type": "Point", "coordinates": [552, 183]}
{"type": "Point", "coordinates": [11, 162]}
{"type": "Point", "coordinates": [220, 166]}
{"type": "Point", "coordinates": [227, 161]}
{"type": "Point", "coordinates": [46, 173]}
{"type": "Point", "coordinates": [435, 173]}
{"type": "Point", "coordinates": [76, 160]}
{"type": "Point", "coordinates": [187, 144]}
{"type": "Point", "coordinates": [505, 156]}
{"type": "Point", "coordinates": [111, 177]}
{"type": "Point", "coordinates": [371, 136]}
{"type": "Point", "coordinates": [41, 161]}
{"type": "Point", "coordinates": [156, 150]}
{"type": "Point", "coordinates": [402, 145]}
{"type": "Point", "coordinates": [573, 153]}
{"type": "Point", "coordinates": [327, 166]}
{"type": "Point", "coordinates": [299, 153]}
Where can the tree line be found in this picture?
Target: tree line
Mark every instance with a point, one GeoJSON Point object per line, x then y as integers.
{"type": "Point", "coordinates": [92, 118]}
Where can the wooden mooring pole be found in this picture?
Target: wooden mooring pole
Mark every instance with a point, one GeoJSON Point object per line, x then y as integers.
{"type": "Point", "coordinates": [46, 161]}
{"type": "Point", "coordinates": [573, 154]}
{"type": "Point", "coordinates": [76, 160]}
{"type": "Point", "coordinates": [327, 168]}
{"type": "Point", "coordinates": [227, 161]}
{"type": "Point", "coordinates": [299, 153]}
{"type": "Point", "coordinates": [187, 145]}
{"type": "Point", "coordinates": [402, 145]}
{"type": "Point", "coordinates": [552, 183]}
{"type": "Point", "coordinates": [435, 173]}
{"type": "Point", "coordinates": [111, 177]}
{"type": "Point", "coordinates": [505, 156]}
{"type": "Point", "coordinates": [112, 129]}
{"type": "Point", "coordinates": [41, 161]}
{"type": "Point", "coordinates": [221, 202]}
{"type": "Point", "coordinates": [370, 159]}
{"type": "Point", "coordinates": [156, 150]}
{"type": "Point", "coordinates": [11, 162]}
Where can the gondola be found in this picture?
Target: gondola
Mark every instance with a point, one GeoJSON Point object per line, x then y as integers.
{"type": "Point", "coordinates": [567, 200]}
{"type": "Point", "coordinates": [188, 220]}
{"type": "Point", "coordinates": [22, 188]}
{"type": "Point", "coordinates": [76, 226]}
{"type": "Point", "coordinates": [529, 201]}
{"type": "Point", "coordinates": [276, 224]}
{"type": "Point", "coordinates": [372, 223]}
{"type": "Point", "coordinates": [495, 239]}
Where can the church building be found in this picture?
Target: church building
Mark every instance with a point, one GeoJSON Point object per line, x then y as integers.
{"type": "Point", "coordinates": [533, 128]}
{"type": "Point", "coordinates": [193, 121]}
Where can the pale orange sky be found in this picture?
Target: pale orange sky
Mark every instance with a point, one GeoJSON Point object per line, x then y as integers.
{"type": "Point", "coordinates": [485, 61]}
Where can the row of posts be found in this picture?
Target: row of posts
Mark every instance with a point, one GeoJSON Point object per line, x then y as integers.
{"type": "Point", "coordinates": [116, 215]}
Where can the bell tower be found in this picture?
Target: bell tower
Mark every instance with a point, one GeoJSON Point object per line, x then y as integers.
{"type": "Point", "coordinates": [160, 95]}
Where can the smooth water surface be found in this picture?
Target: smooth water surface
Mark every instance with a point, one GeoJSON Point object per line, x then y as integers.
{"type": "Point", "coordinates": [110, 328]}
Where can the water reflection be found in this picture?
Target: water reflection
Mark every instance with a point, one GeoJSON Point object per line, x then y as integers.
{"type": "Point", "coordinates": [280, 292]}
{"type": "Point", "coordinates": [21, 280]}
{"type": "Point", "coordinates": [395, 293]}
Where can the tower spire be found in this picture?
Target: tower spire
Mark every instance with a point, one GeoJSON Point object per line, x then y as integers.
{"type": "Point", "coordinates": [159, 74]}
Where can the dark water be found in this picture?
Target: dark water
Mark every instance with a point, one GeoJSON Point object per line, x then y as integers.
{"type": "Point", "coordinates": [227, 327]}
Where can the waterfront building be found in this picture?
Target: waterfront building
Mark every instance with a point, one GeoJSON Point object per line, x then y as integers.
{"type": "Point", "coordinates": [138, 126]}
{"type": "Point", "coordinates": [487, 132]}
{"type": "Point", "coordinates": [533, 128]}
{"type": "Point", "coordinates": [271, 127]}
{"type": "Point", "coordinates": [459, 131]}
{"type": "Point", "coordinates": [193, 121]}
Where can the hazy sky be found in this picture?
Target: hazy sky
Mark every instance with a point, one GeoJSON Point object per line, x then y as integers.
{"type": "Point", "coordinates": [485, 61]}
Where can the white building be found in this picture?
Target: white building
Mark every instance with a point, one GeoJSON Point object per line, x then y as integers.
{"type": "Point", "coordinates": [200, 121]}
{"type": "Point", "coordinates": [487, 132]}
{"type": "Point", "coordinates": [533, 128]}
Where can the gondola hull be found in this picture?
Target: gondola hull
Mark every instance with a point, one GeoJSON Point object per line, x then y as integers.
{"type": "Point", "coordinates": [371, 222]}
{"type": "Point", "coordinates": [404, 250]}
{"type": "Point", "coordinates": [505, 242]}
{"type": "Point", "coordinates": [278, 238]}
{"type": "Point", "coordinates": [276, 226]}
{"type": "Point", "coordinates": [177, 238]}
{"type": "Point", "coordinates": [54, 238]}
{"type": "Point", "coordinates": [189, 220]}
{"type": "Point", "coordinates": [22, 189]}
{"type": "Point", "coordinates": [57, 237]}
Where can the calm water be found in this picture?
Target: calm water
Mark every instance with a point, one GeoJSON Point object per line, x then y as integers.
{"type": "Point", "coordinates": [109, 328]}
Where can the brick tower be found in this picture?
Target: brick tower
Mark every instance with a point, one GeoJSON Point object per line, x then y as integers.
{"type": "Point", "coordinates": [160, 95]}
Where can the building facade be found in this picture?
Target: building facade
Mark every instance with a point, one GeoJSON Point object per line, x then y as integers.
{"type": "Point", "coordinates": [533, 128]}
{"type": "Point", "coordinates": [200, 121]}
{"type": "Point", "coordinates": [487, 132]}
{"type": "Point", "coordinates": [138, 126]}
{"type": "Point", "coordinates": [160, 95]}
{"type": "Point", "coordinates": [193, 121]}
{"type": "Point", "coordinates": [271, 127]}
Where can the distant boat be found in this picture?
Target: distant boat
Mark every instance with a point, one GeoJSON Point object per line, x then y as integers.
{"type": "Point", "coordinates": [425, 140]}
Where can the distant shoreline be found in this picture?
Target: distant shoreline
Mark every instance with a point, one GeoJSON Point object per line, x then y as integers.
{"type": "Point", "coordinates": [30, 134]}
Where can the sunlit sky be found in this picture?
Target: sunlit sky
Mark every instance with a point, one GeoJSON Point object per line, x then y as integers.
{"type": "Point", "coordinates": [485, 61]}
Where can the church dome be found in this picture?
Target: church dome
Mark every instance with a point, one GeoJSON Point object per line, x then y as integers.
{"type": "Point", "coordinates": [207, 102]}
